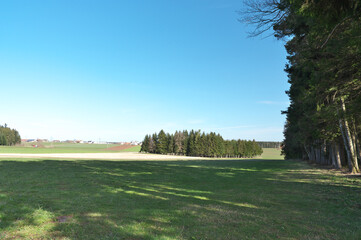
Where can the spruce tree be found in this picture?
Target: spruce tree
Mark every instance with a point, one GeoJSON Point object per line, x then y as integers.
{"type": "Point", "coordinates": [145, 144]}
{"type": "Point", "coordinates": [162, 143]}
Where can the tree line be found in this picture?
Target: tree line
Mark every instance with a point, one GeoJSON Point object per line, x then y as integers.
{"type": "Point", "coordinates": [323, 42]}
{"type": "Point", "coordinates": [9, 136]}
{"type": "Point", "coordinates": [269, 144]}
{"type": "Point", "coordinates": [197, 144]}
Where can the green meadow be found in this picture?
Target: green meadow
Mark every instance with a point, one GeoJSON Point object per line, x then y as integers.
{"type": "Point", "coordinates": [217, 199]}
{"type": "Point", "coordinates": [63, 148]}
{"type": "Point", "coordinates": [271, 153]}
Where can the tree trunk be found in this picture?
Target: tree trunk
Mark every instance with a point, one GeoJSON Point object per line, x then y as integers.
{"type": "Point", "coordinates": [342, 154]}
{"type": "Point", "coordinates": [336, 156]}
{"type": "Point", "coordinates": [311, 155]}
{"type": "Point", "coordinates": [358, 148]}
{"type": "Point", "coordinates": [356, 141]}
{"type": "Point", "coordinates": [349, 145]}
{"type": "Point", "coordinates": [317, 155]}
{"type": "Point", "coordinates": [331, 155]}
{"type": "Point", "coordinates": [323, 154]}
{"type": "Point", "coordinates": [308, 152]}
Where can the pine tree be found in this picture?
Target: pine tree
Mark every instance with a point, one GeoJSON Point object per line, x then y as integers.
{"type": "Point", "coordinates": [196, 143]}
{"type": "Point", "coordinates": [178, 143]}
{"type": "Point", "coordinates": [152, 143]}
{"type": "Point", "coordinates": [9, 136]}
{"type": "Point", "coordinates": [162, 146]}
{"type": "Point", "coordinates": [145, 144]}
{"type": "Point", "coordinates": [324, 70]}
{"type": "Point", "coordinates": [171, 144]}
{"type": "Point", "coordinates": [185, 143]}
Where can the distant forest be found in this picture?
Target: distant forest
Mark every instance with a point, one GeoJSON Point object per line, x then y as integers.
{"type": "Point", "coordinates": [197, 144]}
{"type": "Point", "coordinates": [269, 144]}
{"type": "Point", "coordinates": [9, 136]}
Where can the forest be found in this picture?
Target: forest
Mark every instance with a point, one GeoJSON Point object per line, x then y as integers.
{"type": "Point", "coordinates": [323, 43]}
{"type": "Point", "coordinates": [9, 136]}
{"type": "Point", "coordinates": [195, 143]}
{"type": "Point", "coordinates": [269, 144]}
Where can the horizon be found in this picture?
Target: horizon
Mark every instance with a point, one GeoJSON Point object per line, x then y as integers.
{"type": "Point", "coordinates": [100, 140]}
{"type": "Point", "coordinates": [119, 71]}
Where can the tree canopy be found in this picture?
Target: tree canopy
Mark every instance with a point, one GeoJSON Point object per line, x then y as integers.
{"type": "Point", "coordinates": [323, 42]}
{"type": "Point", "coordinates": [9, 136]}
{"type": "Point", "coordinates": [198, 144]}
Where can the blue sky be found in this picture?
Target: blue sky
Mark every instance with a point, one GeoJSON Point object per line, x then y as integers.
{"type": "Point", "coordinates": [117, 70]}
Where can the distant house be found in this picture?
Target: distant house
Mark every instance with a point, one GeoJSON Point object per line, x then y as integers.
{"type": "Point", "coordinates": [135, 143]}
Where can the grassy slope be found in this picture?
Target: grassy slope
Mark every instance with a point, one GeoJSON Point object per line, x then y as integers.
{"type": "Point", "coordinates": [64, 148]}
{"type": "Point", "coordinates": [176, 200]}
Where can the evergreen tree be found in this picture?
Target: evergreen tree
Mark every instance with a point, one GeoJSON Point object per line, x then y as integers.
{"type": "Point", "coordinates": [145, 144]}
{"type": "Point", "coordinates": [185, 143]}
{"type": "Point", "coordinates": [178, 142]}
{"type": "Point", "coordinates": [324, 70]}
{"type": "Point", "coordinates": [9, 136]}
{"type": "Point", "coordinates": [171, 143]}
{"type": "Point", "coordinates": [153, 143]}
{"type": "Point", "coordinates": [162, 143]}
{"type": "Point", "coordinates": [196, 143]}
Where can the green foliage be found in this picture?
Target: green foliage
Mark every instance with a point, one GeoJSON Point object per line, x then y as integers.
{"type": "Point", "coordinates": [8, 136]}
{"type": "Point", "coordinates": [323, 42]}
{"type": "Point", "coordinates": [145, 144]}
{"type": "Point", "coordinates": [199, 144]}
{"type": "Point", "coordinates": [162, 143]}
{"type": "Point", "coordinates": [269, 144]}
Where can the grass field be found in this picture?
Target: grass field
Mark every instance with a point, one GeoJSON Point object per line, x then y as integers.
{"type": "Point", "coordinates": [271, 153]}
{"type": "Point", "coordinates": [64, 148]}
{"type": "Point", "coordinates": [239, 199]}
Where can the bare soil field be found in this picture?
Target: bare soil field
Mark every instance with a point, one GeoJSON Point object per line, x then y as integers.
{"type": "Point", "coordinates": [114, 156]}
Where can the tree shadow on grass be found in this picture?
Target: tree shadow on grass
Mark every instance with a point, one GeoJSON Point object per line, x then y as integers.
{"type": "Point", "coordinates": [165, 199]}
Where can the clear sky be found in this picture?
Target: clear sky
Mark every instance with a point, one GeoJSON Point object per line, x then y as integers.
{"type": "Point", "coordinates": [117, 70]}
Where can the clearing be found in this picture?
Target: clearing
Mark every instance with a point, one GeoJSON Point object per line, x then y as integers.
{"type": "Point", "coordinates": [194, 199]}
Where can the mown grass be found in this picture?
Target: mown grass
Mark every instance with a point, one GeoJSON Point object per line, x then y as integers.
{"type": "Point", "coordinates": [225, 199]}
{"type": "Point", "coordinates": [271, 153]}
{"type": "Point", "coordinates": [64, 148]}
